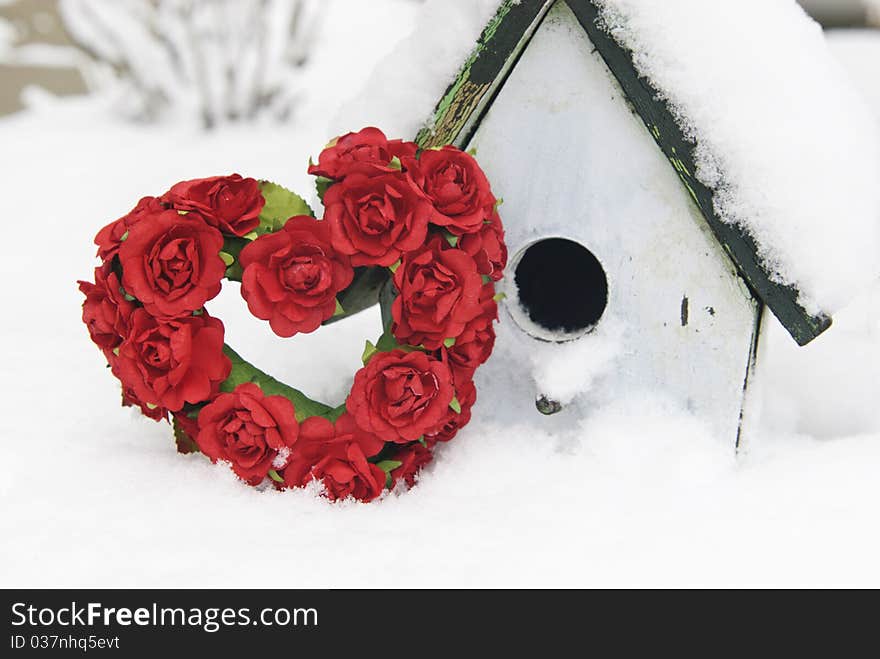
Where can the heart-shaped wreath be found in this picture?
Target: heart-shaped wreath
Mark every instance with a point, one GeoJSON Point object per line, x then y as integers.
{"type": "Point", "coordinates": [416, 229]}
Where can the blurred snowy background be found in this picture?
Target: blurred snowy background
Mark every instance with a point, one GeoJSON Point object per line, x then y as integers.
{"type": "Point", "coordinates": [102, 108]}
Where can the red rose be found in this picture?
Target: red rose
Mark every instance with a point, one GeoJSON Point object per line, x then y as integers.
{"type": "Point", "coordinates": [475, 343]}
{"type": "Point", "coordinates": [291, 277]}
{"type": "Point", "coordinates": [466, 394]}
{"type": "Point", "coordinates": [456, 186]}
{"type": "Point", "coordinates": [375, 220]}
{"type": "Point", "coordinates": [439, 294]}
{"type": "Point", "coordinates": [230, 203]}
{"type": "Point", "coordinates": [171, 263]}
{"type": "Point", "coordinates": [174, 361]}
{"type": "Point", "coordinates": [112, 236]}
{"type": "Point", "coordinates": [487, 248]}
{"type": "Point", "coordinates": [399, 395]}
{"type": "Point", "coordinates": [105, 310]}
{"type": "Point", "coordinates": [367, 152]}
{"type": "Point", "coordinates": [337, 455]}
{"type": "Point", "coordinates": [412, 459]}
{"type": "Point", "coordinates": [253, 432]}
{"type": "Point", "coordinates": [465, 358]}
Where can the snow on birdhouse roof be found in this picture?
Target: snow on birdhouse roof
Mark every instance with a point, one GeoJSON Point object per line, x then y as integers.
{"type": "Point", "coordinates": [745, 98]}
{"type": "Point", "coordinates": [781, 138]}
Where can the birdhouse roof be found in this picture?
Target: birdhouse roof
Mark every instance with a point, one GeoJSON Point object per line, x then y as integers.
{"type": "Point", "coordinates": [756, 117]}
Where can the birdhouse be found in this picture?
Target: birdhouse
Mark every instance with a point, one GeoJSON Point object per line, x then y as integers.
{"type": "Point", "coordinates": [613, 213]}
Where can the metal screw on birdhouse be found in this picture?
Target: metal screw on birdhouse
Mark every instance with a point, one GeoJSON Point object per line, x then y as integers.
{"type": "Point", "coordinates": [547, 406]}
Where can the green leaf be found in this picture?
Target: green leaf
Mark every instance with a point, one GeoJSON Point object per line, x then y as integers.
{"type": "Point", "coordinates": [281, 205]}
{"type": "Point", "coordinates": [394, 266]}
{"type": "Point", "coordinates": [386, 342]}
{"type": "Point", "coordinates": [124, 237]}
{"type": "Point", "coordinates": [275, 477]}
{"type": "Point", "coordinates": [369, 350]}
{"type": "Point", "coordinates": [498, 203]}
{"type": "Point", "coordinates": [388, 465]}
{"type": "Point", "coordinates": [395, 163]}
{"type": "Point", "coordinates": [421, 440]}
{"type": "Point", "coordinates": [321, 185]}
{"type": "Point", "coordinates": [486, 279]}
{"type": "Point", "coordinates": [185, 443]}
{"type": "Point", "coordinates": [232, 246]}
{"type": "Point", "coordinates": [250, 236]}
{"type": "Point", "coordinates": [499, 296]}
{"type": "Point", "coordinates": [455, 405]}
{"type": "Point", "coordinates": [199, 312]}
{"type": "Point", "coordinates": [451, 238]}
{"type": "Point", "coordinates": [339, 310]}
{"type": "Point", "coordinates": [234, 272]}
{"type": "Point", "coordinates": [449, 342]}
{"type": "Point", "coordinates": [472, 152]}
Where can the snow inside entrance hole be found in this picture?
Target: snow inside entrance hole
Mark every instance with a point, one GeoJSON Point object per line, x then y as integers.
{"type": "Point", "coordinates": [560, 289]}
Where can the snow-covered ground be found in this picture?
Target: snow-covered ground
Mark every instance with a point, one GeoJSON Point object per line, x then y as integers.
{"type": "Point", "coordinates": [638, 493]}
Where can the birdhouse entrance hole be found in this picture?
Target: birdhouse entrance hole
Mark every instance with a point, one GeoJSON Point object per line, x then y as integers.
{"type": "Point", "coordinates": [561, 288]}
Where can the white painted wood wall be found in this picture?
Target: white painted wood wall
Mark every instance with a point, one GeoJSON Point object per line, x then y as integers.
{"type": "Point", "coordinates": [571, 160]}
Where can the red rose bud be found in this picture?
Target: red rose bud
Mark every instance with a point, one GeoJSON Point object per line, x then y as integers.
{"type": "Point", "coordinates": [487, 248]}
{"type": "Point", "coordinates": [412, 459]}
{"type": "Point", "coordinates": [252, 432]}
{"type": "Point", "coordinates": [172, 263]}
{"type": "Point", "coordinates": [337, 455]}
{"type": "Point", "coordinates": [465, 358]}
{"type": "Point", "coordinates": [399, 395]}
{"type": "Point", "coordinates": [367, 152]}
{"type": "Point", "coordinates": [113, 235]}
{"type": "Point", "coordinates": [230, 203]}
{"type": "Point", "coordinates": [105, 310]}
{"type": "Point", "coordinates": [439, 295]}
{"type": "Point", "coordinates": [168, 363]}
{"type": "Point", "coordinates": [466, 394]}
{"type": "Point", "coordinates": [291, 277]}
{"type": "Point", "coordinates": [375, 220]}
{"type": "Point", "coordinates": [457, 188]}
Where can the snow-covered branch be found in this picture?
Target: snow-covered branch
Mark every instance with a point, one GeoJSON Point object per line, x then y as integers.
{"type": "Point", "coordinates": [217, 60]}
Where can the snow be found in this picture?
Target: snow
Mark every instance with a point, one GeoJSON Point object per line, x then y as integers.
{"type": "Point", "coordinates": [636, 492]}
{"type": "Point", "coordinates": [407, 83]}
{"type": "Point", "coordinates": [779, 133]}
{"type": "Point", "coordinates": [859, 51]}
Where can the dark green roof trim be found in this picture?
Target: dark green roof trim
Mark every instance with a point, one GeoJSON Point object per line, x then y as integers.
{"type": "Point", "coordinates": [461, 108]}
{"type": "Point", "coordinates": [497, 50]}
{"type": "Point", "coordinates": [781, 299]}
